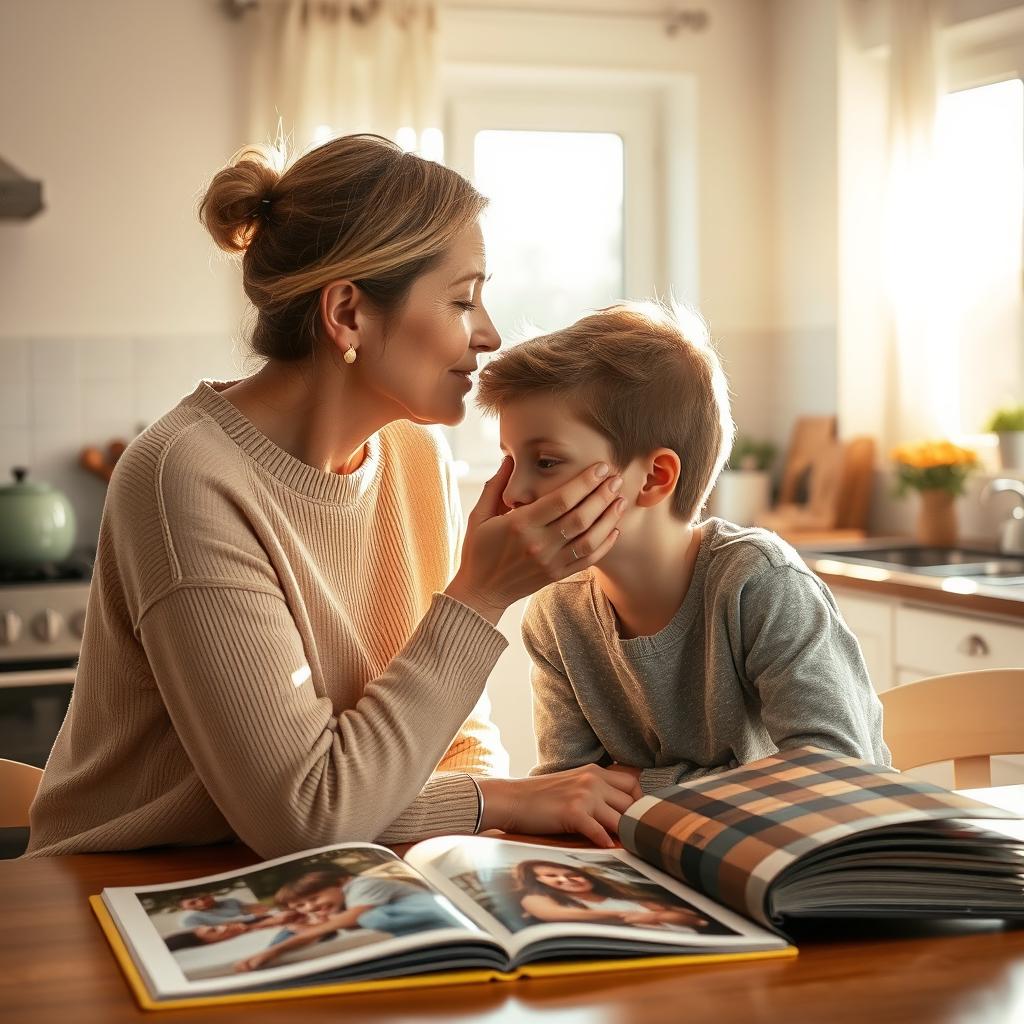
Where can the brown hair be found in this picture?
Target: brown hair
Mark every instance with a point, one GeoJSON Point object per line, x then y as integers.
{"type": "Point", "coordinates": [357, 207]}
{"type": "Point", "coordinates": [644, 375]}
{"type": "Point", "coordinates": [312, 881]}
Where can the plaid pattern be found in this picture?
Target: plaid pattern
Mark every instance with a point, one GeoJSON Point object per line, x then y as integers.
{"type": "Point", "coordinates": [731, 835]}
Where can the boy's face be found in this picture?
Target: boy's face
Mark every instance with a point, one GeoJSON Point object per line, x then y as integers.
{"type": "Point", "coordinates": [325, 902]}
{"type": "Point", "coordinates": [549, 446]}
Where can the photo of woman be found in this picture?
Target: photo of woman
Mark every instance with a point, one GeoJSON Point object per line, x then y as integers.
{"type": "Point", "coordinates": [520, 890]}
{"type": "Point", "coordinates": [559, 892]}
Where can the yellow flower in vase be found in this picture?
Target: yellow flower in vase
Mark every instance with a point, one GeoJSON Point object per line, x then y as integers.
{"type": "Point", "coordinates": [939, 471]}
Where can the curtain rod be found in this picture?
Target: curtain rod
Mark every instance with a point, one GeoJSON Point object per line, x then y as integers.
{"type": "Point", "coordinates": [675, 19]}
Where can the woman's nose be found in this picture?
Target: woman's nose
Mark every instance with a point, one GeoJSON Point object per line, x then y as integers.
{"type": "Point", "coordinates": [485, 336]}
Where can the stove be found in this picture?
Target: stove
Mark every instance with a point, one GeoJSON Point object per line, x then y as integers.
{"type": "Point", "coordinates": [42, 617]}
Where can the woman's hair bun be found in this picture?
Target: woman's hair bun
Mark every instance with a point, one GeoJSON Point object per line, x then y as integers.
{"type": "Point", "coordinates": [239, 198]}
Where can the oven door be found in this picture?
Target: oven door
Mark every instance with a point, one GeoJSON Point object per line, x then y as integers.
{"type": "Point", "coordinates": [33, 702]}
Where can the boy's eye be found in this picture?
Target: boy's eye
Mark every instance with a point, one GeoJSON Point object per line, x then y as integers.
{"type": "Point", "coordinates": [547, 463]}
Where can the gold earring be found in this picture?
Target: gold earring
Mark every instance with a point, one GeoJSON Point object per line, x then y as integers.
{"type": "Point", "coordinates": [349, 356]}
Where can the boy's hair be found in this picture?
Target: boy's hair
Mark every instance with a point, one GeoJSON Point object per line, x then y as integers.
{"type": "Point", "coordinates": [643, 374]}
{"type": "Point", "coordinates": [312, 881]}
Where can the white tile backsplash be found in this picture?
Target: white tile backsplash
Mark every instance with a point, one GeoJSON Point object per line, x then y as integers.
{"type": "Point", "coordinates": [58, 395]}
{"type": "Point", "coordinates": [14, 383]}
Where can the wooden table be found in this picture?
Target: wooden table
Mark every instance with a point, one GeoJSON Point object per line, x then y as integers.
{"type": "Point", "coordinates": [55, 965]}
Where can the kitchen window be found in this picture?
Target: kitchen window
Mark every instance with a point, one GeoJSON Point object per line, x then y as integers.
{"type": "Point", "coordinates": [575, 185]}
{"type": "Point", "coordinates": [980, 182]}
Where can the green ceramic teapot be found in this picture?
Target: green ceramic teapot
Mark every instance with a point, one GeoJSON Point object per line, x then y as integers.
{"type": "Point", "coordinates": [37, 523]}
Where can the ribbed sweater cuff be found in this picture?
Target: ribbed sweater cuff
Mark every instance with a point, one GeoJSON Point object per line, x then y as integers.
{"type": "Point", "coordinates": [652, 779]}
{"type": "Point", "coordinates": [455, 633]}
{"type": "Point", "coordinates": [449, 804]}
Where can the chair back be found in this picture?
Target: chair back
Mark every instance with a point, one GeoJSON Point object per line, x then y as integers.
{"type": "Point", "coordinates": [964, 717]}
{"type": "Point", "coordinates": [18, 785]}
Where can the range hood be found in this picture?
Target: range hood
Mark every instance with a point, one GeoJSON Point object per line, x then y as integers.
{"type": "Point", "coordinates": [20, 197]}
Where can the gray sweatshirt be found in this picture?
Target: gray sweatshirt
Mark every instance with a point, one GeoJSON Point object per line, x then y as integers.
{"type": "Point", "coordinates": [756, 659]}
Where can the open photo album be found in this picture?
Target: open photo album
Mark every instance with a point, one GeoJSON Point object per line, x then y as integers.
{"type": "Point", "coordinates": [712, 870]}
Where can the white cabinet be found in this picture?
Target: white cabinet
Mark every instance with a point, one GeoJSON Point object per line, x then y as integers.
{"type": "Point", "coordinates": [931, 643]}
{"type": "Point", "coordinates": [871, 622]}
{"type": "Point", "coordinates": [903, 642]}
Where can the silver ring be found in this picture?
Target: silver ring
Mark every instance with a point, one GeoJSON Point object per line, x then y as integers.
{"type": "Point", "coordinates": [575, 557]}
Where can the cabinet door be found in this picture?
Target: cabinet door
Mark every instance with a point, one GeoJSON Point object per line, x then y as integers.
{"type": "Point", "coordinates": [932, 643]}
{"type": "Point", "coordinates": [871, 621]}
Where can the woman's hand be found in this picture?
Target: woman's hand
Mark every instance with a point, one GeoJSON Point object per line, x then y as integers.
{"type": "Point", "coordinates": [509, 554]}
{"type": "Point", "coordinates": [588, 800]}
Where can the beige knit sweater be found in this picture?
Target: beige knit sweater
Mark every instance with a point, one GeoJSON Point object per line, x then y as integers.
{"type": "Point", "coordinates": [265, 653]}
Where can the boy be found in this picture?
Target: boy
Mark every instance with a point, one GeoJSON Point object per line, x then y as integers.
{"type": "Point", "coordinates": [692, 647]}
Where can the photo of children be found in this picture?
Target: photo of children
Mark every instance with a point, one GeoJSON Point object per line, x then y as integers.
{"type": "Point", "coordinates": [316, 906]}
{"type": "Point", "coordinates": [521, 890]}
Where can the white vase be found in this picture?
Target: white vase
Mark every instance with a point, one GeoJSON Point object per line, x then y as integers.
{"type": "Point", "coordinates": [1011, 449]}
{"type": "Point", "coordinates": [741, 496]}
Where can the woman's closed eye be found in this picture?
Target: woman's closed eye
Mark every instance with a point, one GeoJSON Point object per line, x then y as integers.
{"type": "Point", "coordinates": [468, 307]}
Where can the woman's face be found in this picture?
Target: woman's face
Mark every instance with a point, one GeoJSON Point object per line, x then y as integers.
{"type": "Point", "coordinates": [420, 365]}
{"type": "Point", "coordinates": [563, 879]}
{"type": "Point", "coordinates": [220, 932]}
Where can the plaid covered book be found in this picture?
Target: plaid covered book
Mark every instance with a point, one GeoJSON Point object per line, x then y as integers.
{"type": "Point", "coordinates": [805, 833]}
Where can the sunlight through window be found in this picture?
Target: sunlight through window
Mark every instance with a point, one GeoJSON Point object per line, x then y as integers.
{"type": "Point", "coordinates": [980, 158]}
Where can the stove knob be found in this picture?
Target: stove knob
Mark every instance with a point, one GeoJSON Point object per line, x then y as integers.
{"type": "Point", "coordinates": [10, 628]}
{"type": "Point", "coordinates": [78, 624]}
{"type": "Point", "coordinates": [47, 626]}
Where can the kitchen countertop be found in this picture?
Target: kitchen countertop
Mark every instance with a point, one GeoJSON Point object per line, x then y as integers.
{"type": "Point", "coordinates": [953, 593]}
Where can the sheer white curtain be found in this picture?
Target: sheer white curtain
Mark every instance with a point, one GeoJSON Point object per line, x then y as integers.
{"type": "Point", "coordinates": [326, 67]}
{"type": "Point", "coordinates": [923, 360]}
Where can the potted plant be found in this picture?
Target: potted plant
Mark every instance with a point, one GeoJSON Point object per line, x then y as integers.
{"type": "Point", "coordinates": [744, 488]}
{"type": "Point", "coordinates": [937, 470]}
{"type": "Point", "coordinates": [1008, 424]}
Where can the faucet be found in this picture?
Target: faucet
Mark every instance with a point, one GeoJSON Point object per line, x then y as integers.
{"type": "Point", "coordinates": [1011, 534]}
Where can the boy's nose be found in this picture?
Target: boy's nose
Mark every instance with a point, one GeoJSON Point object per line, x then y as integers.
{"type": "Point", "coordinates": [516, 494]}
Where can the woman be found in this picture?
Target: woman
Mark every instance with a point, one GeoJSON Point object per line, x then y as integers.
{"type": "Point", "coordinates": [275, 648]}
{"type": "Point", "coordinates": [560, 893]}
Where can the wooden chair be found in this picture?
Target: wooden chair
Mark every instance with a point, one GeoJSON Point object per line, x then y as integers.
{"type": "Point", "coordinates": [18, 785]}
{"type": "Point", "coordinates": [964, 717]}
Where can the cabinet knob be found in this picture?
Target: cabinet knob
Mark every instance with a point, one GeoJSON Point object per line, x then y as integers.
{"type": "Point", "coordinates": [975, 646]}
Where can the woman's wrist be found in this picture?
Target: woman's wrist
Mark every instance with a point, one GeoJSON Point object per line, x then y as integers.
{"type": "Point", "coordinates": [458, 590]}
{"type": "Point", "coordinates": [498, 802]}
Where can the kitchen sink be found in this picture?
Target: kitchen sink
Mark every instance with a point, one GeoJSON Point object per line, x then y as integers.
{"type": "Point", "coordinates": [935, 561]}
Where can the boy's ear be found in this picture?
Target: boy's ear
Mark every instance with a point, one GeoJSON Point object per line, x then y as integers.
{"type": "Point", "coordinates": [661, 473]}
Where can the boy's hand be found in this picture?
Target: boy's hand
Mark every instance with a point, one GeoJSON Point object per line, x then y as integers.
{"type": "Point", "coordinates": [633, 773]}
{"type": "Point", "coordinates": [588, 800]}
{"type": "Point", "coordinates": [510, 554]}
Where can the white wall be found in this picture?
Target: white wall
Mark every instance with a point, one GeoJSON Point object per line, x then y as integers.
{"type": "Point", "coordinates": [122, 108]}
